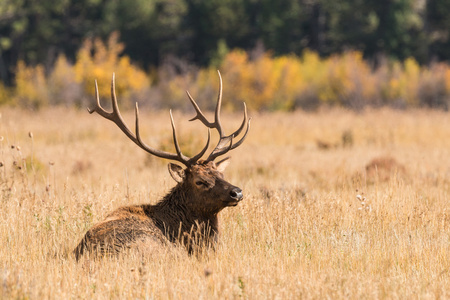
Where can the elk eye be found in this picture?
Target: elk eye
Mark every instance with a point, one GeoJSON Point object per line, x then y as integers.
{"type": "Point", "coordinates": [201, 183]}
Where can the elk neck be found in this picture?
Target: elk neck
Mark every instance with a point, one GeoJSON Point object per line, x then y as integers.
{"type": "Point", "coordinates": [174, 217]}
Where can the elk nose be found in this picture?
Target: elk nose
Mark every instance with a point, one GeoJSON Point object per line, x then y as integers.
{"type": "Point", "coordinates": [236, 194]}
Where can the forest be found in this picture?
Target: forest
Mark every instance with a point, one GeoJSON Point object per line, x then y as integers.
{"type": "Point", "coordinates": [360, 53]}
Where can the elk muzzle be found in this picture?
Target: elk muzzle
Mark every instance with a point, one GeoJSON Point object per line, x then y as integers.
{"type": "Point", "coordinates": [235, 196]}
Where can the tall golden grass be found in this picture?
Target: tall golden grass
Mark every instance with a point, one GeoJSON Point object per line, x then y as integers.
{"type": "Point", "coordinates": [320, 218]}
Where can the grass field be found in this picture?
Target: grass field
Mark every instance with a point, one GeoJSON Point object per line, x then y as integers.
{"type": "Point", "coordinates": [338, 205]}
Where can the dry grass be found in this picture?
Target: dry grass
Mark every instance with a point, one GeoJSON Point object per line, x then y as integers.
{"type": "Point", "coordinates": [314, 222]}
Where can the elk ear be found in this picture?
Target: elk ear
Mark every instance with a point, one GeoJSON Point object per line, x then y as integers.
{"type": "Point", "coordinates": [223, 164]}
{"type": "Point", "coordinates": [176, 172]}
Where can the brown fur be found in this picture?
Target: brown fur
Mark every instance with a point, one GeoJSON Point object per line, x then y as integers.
{"type": "Point", "coordinates": [186, 215]}
{"type": "Point", "coordinates": [383, 167]}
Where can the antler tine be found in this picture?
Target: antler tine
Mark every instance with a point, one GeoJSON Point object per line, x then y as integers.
{"type": "Point", "coordinates": [113, 95]}
{"type": "Point", "coordinates": [238, 131]}
{"type": "Point", "coordinates": [175, 140]}
{"type": "Point", "coordinates": [225, 143]}
{"type": "Point", "coordinates": [151, 150]}
{"type": "Point", "coordinates": [98, 107]}
{"type": "Point", "coordinates": [243, 137]}
{"type": "Point", "coordinates": [218, 105]}
{"type": "Point", "coordinates": [115, 115]}
{"type": "Point", "coordinates": [97, 98]}
{"type": "Point", "coordinates": [200, 116]}
{"type": "Point", "coordinates": [198, 156]}
{"type": "Point", "coordinates": [246, 120]}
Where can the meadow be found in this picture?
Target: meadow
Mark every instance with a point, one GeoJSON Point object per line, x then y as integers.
{"type": "Point", "coordinates": [337, 205]}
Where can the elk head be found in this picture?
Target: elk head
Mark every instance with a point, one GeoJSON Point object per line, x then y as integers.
{"type": "Point", "coordinates": [202, 178]}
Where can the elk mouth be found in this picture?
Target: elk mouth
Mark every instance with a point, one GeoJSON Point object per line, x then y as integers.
{"type": "Point", "coordinates": [231, 202]}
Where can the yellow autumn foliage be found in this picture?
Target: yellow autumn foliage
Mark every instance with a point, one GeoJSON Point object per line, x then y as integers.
{"type": "Point", "coordinates": [447, 80]}
{"type": "Point", "coordinates": [282, 82]}
{"type": "Point", "coordinates": [31, 86]}
{"type": "Point", "coordinates": [404, 82]}
{"type": "Point", "coordinates": [98, 61]}
{"type": "Point", "coordinates": [5, 94]}
{"type": "Point", "coordinates": [263, 82]}
{"type": "Point", "coordinates": [347, 79]}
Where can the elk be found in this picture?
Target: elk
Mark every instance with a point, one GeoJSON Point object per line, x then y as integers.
{"type": "Point", "coordinates": [188, 213]}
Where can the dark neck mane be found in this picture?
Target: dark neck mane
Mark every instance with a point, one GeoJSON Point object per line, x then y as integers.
{"type": "Point", "coordinates": [180, 224]}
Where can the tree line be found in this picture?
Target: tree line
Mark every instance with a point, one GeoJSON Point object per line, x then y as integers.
{"type": "Point", "coordinates": [201, 32]}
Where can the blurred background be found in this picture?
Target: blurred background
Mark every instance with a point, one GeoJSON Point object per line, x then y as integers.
{"type": "Point", "coordinates": [274, 55]}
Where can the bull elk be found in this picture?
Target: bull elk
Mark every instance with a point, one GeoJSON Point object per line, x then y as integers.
{"type": "Point", "coordinates": [188, 213]}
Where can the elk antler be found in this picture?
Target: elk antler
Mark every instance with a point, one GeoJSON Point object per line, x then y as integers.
{"type": "Point", "coordinates": [225, 143]}
{"type": "Point", "coordinates": [116, 117]}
